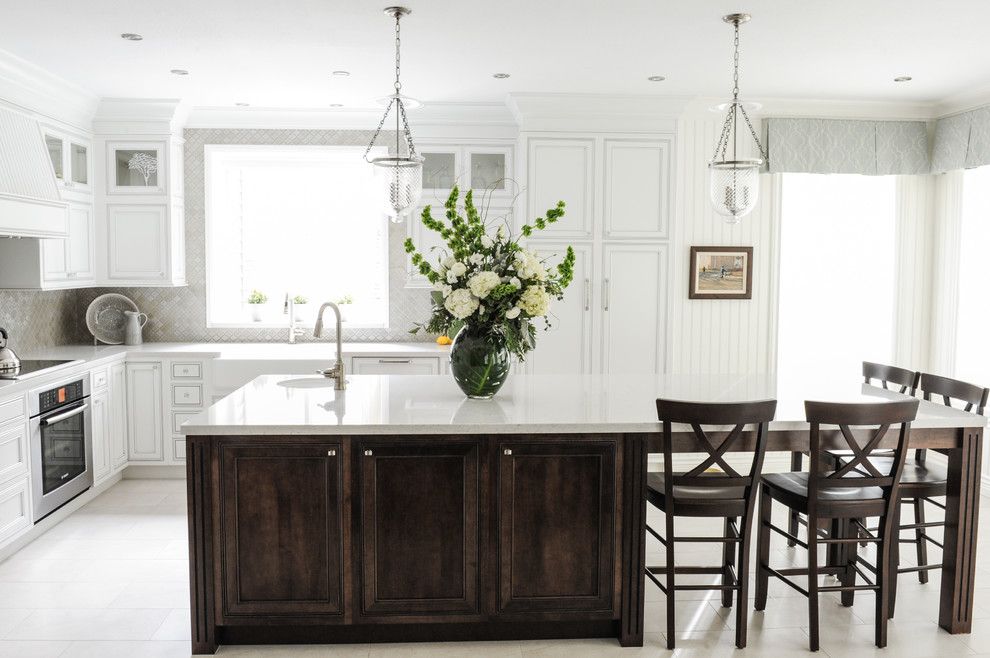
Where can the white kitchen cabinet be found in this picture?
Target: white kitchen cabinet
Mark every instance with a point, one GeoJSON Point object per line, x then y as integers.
{"type": "Point", "coordinates": [145, 418]}
{"type": "Point", "coordinates": [634, 308]}
{"type": "Point", "coordinates": [416, 365]}
{"type": "Point", "coordinates": [117, 388]}
{"type": "Point", "coordinates": [99, 402]}
{"type": "Point", "coordinates": [566, 348]}
{"type": "Point", "coordinates": [49, 264]}
{"type": "Point", "coordinates": [71, 159]}
{"type": "Point", "coordinates": [15, 509]}
{"type": "Point", "coordinates": [13, 451]}
{"type": "Point", "coordinates": [637, 188]}
{"type": "Point", "coordinates": [145, 245]}
{"type": "Point", "coordinates": [562, 169]}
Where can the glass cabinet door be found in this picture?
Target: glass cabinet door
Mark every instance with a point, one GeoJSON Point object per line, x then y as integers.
{"type": "Point", "coordinates": [439, 170]}
{"type": "Point", "coordinates": [79, 163]}
{"type": "Point", "coordinates": [55, 152]}
{"type": "Point", "coordinates": [488, 171]}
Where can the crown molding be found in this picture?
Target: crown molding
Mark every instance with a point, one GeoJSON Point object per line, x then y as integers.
{"type": "Point", "coordinates": [140, 116]}
{"type": "Point", "coordinates": [596, 112]}
{"type": "Point", "coordinates": [44, 94]}
{"type": "Point", "coordinates": [964, 101]}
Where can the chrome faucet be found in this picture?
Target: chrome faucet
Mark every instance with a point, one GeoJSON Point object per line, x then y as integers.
{"type": "Point", "coordinates": [336, 372]}
{"type": "Point", "coordinates": [290, 309]}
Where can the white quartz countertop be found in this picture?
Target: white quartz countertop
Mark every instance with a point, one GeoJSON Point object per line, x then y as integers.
{"type": "Point", "coordinates": [429, 404]}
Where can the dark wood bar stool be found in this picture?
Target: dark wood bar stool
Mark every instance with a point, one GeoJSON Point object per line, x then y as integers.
{"type": "Point", "coordinates": [698, 492]}
{"type": "Point", "coordinates": [890, 378]}
{"type": "Point", "coordinates": [857, 490]}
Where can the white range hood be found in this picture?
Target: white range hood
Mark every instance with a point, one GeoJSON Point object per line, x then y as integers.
{"type": "Point", "coordinates": [30, 205]}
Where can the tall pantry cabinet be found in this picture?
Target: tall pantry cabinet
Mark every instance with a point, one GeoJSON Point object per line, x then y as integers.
{"type": "Point", "coordinates": [617, 188]}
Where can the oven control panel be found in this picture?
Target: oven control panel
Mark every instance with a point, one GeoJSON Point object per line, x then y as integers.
{"type": "Point", "coordinates": [57, 397]}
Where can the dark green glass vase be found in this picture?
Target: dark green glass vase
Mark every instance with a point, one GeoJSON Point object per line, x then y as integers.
{"type": "Point", "coordinates": [479, 362]}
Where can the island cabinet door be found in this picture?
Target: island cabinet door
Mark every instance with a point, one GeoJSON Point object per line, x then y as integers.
{"type": "Point", "coordinates": [419, 526]}
{"type": "Point", "coordinates": [281, 521]}
{"type": "Point", "coordinates": [556, 518]}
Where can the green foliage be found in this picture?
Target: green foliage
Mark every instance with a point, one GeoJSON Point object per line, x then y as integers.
{"type": "Point", "coordinates": [299, 299]}
{"type": "Point", "coordinates": [475, 246]}
{"type": "Point", "coordinates": [257, 297]}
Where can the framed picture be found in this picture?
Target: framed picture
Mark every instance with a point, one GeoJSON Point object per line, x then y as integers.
{"type": "Point", "coordinates": [721, 273]}
{"type": "Point", "coordinates": [136, 168]}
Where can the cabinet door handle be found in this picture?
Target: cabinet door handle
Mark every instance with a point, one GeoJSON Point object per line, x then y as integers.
{"type": "Point", "coordinates": [605, 289]}
{"type": "Point", "coordinates": [507, 451]}
{"type": "Point", "coordinates": [368, 453]}
{"type": "Point", "coordinates": [587, 294]}
{"type": "Point", "coordinates": [331, 453]}
{"type": "Point", "coordinates": [394, 360]}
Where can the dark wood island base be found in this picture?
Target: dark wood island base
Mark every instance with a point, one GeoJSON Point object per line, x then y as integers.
{"type": "Point", "coordinates": [338, 539]}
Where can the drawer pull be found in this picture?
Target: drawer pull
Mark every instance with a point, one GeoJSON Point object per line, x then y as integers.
{"type": "Point", "coordinates": [331, 453]}
{"type": "Point", "coordinates": [368, 453]}
{"type": "Point", "coordinates": [394, 360]}
{"type": "Point", "coordinates": [507, 451]}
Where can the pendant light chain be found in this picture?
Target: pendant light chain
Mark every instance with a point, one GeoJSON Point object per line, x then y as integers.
{"type": "Point", "coordinates": [729, 126]}
{"type": "Point", "coordinates": [397, 101]}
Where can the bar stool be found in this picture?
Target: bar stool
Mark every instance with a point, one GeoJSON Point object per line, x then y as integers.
{"type": "Point", "coordinates": [857, 490]}
{"type": "Point", "coordinates": [697, 492]}
{"type": "Point", "coordinates": [906, 382]}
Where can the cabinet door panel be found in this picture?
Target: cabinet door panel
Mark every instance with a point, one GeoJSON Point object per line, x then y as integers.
{"type": "Point", "coordinates": [565, 348]}
{"type": "Point", "coordinates": [145, 429]}
{"type": "Point", "coordinates": [281, 520]}
{"type": "Point", "coordinates": [79, 247]}
{"type": "Point", "coordinates": [556, 510]}
{"type": "Point", "coordinates": [101, 444]}
{"type": "Point", "coordinates": [419, 530]}
{"type": "Point", "coordinates": [637, 188]}
{"type": "Point", "coordinates": [562, 170]}
{"type": "Point", "coordinates": [118, 415]}
{"type": "Point", "coordinates": [634, 309]}
{"type": "Point", "coordinates": [137, 242]}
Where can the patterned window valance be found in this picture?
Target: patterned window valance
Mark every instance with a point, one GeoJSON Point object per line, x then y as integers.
{"type": "Point", "coordinates": [962, 141]}
{"type": "Point", "coordinates": [843, 146]}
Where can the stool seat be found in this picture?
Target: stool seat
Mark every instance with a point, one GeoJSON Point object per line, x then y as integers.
{"type": "Point", "coordinates": [791, 489]}
{"type": "Point", "coordinates": [696, 501]}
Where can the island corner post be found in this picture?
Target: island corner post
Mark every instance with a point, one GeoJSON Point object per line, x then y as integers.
{"type": "Point", "coordinates": [350, 538]}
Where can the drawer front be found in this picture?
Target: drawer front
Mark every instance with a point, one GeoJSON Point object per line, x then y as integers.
{"type": "Point", "coordinates": [179, 448]}
{"type": "Point", "coordinates": [385, 365]}
{"type": "Point", "coordinates": [190, 395]}
{"type": "Point", "coordinates": [179, 417]}
{"type": "Point", "coordinates": [15, 509]}
{"type": "Point", "coordinates": [11, 410]}
{"type": "Point", "coordinates": [187, 371]}
{"type": "Point", "coordinates": [13, 452]}
{"type": "Point", "coordinates": [98, 379]}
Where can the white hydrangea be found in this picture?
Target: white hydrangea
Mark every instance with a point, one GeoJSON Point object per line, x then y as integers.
{"type": "Point", "coordinates": [475, 259]}
{"type": "Point", "coordinates": [482, 283]}
{"type": "Point", "coordinates": [512, 313]}
{"type": "Point", "coordinates": [457, 269]}
{"type": "Point", "coordinates": [442, 288]}
{"type": "Point", "coordinates": [487, 242]}
{"type": "Point", "coordinates": [529, 266]}
{"type": "Point", "coordinates": [461, 303]}
{"type": "Point", "coordinates": [535, 301]}
{"type": "Point", "coordinates": [451, 277]}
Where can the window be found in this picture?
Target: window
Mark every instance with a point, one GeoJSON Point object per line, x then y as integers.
{"type": "Point", "coordinates": [972, 356]}
{"type": "Point", "coordinates": [837, 284]}
{"type": "Point", "coordinates": [296, 220]}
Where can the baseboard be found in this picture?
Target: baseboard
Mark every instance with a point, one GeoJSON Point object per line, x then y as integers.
{"type": "Point", "coordinates": [163, 472]}
{"type": "Point", "coordinates": [56, 517]}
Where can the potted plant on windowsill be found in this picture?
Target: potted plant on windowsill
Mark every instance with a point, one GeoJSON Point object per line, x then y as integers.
{"type": "Point", "coordinates": [256, 301]}
{"type": "Point", "coordinates": [300, 305]}
{"type": "Point", "coordinates": [344, 303]}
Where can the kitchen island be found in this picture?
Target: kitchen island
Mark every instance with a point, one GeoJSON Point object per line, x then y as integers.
{"type": "Point", "coordinates": [398, 510]}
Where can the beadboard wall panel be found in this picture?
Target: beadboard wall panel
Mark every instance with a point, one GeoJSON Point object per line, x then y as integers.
{"type": "Point", "coordinates": [720, 336]}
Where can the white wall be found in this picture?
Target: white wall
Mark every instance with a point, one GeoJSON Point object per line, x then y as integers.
{"type": "Point", "coordinates": [720, 336]}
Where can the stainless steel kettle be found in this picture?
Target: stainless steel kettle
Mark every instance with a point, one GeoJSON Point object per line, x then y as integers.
{"type": "Point", "coordinates": [8, 360]}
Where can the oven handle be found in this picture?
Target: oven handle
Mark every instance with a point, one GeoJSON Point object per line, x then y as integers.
{"type": "Point", "coordinates": [62, 416]}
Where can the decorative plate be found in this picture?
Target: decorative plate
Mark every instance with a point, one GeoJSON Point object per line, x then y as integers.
{"type": "Point", "coordinates": [105, 317]}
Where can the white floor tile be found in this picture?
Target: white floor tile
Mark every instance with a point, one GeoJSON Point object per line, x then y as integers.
{"type": "Point", "coordinates": [32, 648]}
{"type": "Point", "coordinates": [106, 624]}
{"type": "Point", "coordinates": [104, 649]}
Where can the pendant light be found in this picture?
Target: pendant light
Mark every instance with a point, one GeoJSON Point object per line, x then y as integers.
{"type": "Point", "coordinates": [403, 174]}
{"type": "Point", "coordinates": [734, 182]}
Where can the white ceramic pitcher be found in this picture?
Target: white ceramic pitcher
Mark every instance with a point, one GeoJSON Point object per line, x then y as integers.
{"type": "Point", "coordinates": [134, 324]}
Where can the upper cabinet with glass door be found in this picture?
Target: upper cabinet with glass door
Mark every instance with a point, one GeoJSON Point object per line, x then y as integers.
{"type": "Point", "coordinates": [70, 156]}
{"type": "Point", "coordinates": [485, 169]}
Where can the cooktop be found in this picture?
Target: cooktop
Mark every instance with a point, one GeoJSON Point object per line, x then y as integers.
{"type": "Point", "coordinates": [33, 368]}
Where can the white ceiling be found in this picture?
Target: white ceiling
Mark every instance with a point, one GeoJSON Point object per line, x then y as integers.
{"type": "Point", "coordinates": [280, 53]}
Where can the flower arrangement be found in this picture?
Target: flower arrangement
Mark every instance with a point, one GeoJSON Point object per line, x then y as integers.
{"type": "Point", "coordinates": [486, 281]}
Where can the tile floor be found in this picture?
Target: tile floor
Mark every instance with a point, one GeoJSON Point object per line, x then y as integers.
{"type": "Point", "coordinates": [110, 581]}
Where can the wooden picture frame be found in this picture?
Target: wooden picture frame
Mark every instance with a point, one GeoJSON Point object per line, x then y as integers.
{"type": "Point", "coordinates": [721, 273]}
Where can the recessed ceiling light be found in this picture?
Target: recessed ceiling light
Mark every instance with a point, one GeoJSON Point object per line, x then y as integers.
{"type": "Point", "coordinates": [341, 74]}
{"type": "Point", "coordinates": [336, 105]}
{"type": "Point", "coordinates": [902, 78]}
{"type": "Point", "coordinates": [656, 78]}
{"type": "Point", "coordinates": [500, 76]}
{"type": "Point", "coordinates": [179, 72]}
{"type": "Point", "coordinates": [242, 104]}
{"type": "Point", "coordinates": [131, 36]}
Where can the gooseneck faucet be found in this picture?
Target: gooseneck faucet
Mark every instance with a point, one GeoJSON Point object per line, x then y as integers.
{"type": "Point", "coordinates": [336, 372]}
